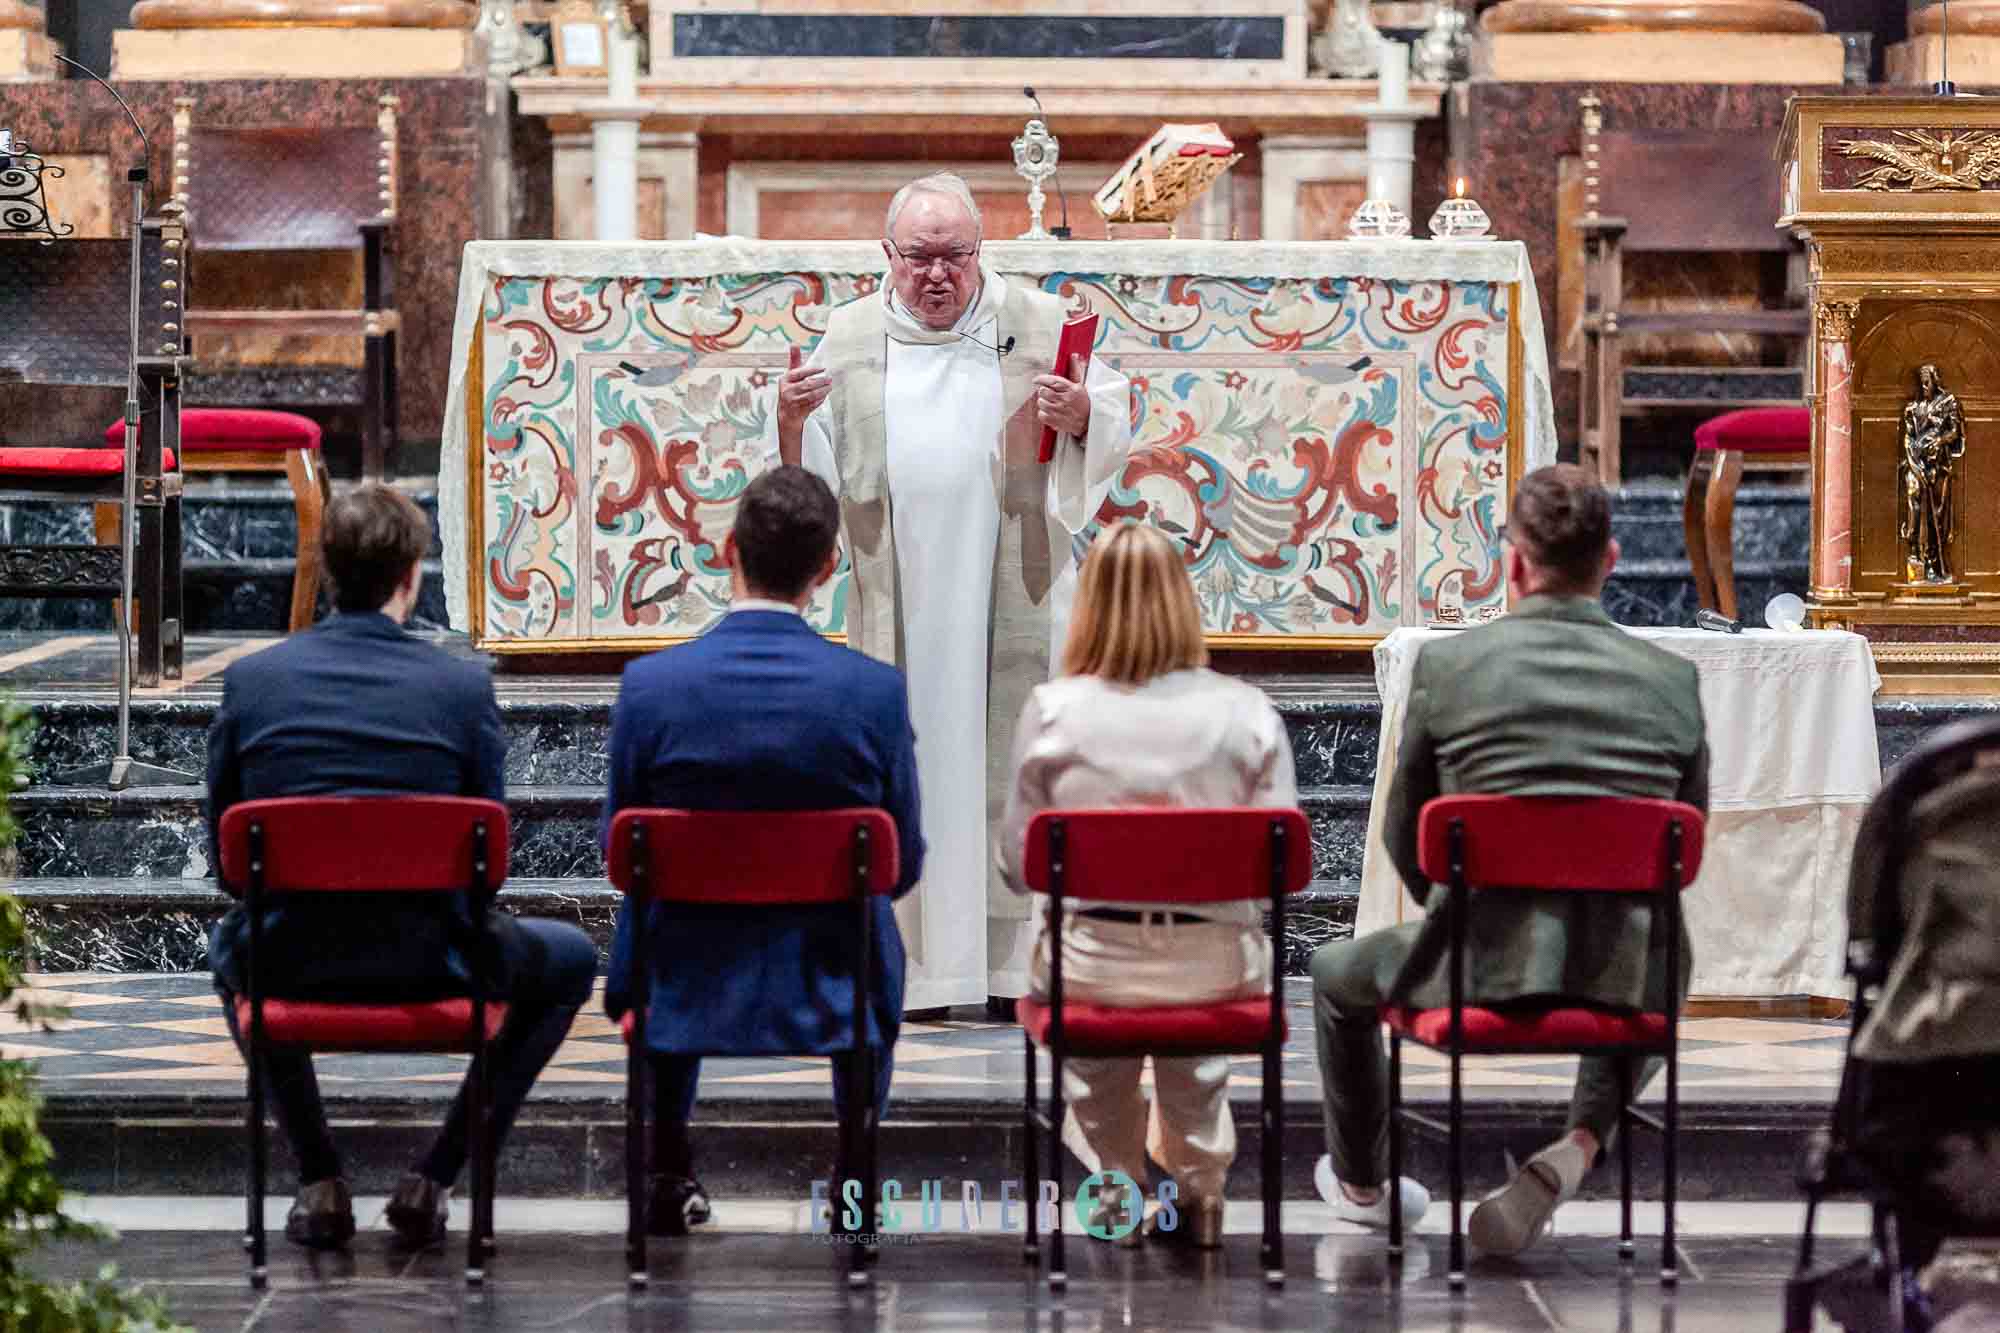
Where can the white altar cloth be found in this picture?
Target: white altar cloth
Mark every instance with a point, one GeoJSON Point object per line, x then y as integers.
{"type": "Point", "coordinates": [485, 262]}
{"type": "Point", "coordinates": [1793, 763]}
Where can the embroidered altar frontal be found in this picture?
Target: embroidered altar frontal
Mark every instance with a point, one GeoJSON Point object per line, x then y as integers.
{"type": "Point", "coordinates": [1330, 431]}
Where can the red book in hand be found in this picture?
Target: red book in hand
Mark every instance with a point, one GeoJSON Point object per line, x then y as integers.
{"type": "Point", "coordinates": [1078, 336]}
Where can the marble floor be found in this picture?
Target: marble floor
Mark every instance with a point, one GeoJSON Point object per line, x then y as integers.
{"type": "Point", "coordinates": [741, 1275]}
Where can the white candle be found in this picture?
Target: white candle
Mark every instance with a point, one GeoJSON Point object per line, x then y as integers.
{"type": "Point", "coordinates": [625, 67]}
{"type": "Point", "coordinates": [1394, 88]}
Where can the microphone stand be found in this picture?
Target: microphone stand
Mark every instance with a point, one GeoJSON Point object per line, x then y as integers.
{"type": "Point", "coordinates": [122, 770]}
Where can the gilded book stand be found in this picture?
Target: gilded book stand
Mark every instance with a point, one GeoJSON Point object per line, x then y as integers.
{"type": "Point", "coordinates": [1895, 199]}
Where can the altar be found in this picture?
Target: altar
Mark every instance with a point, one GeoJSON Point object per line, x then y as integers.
{"type": "Point", "coordinates": [1330, 430]}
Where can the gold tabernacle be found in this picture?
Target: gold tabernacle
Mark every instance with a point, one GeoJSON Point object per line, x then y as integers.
{"type": "Point", "coordinates": [1890, 196]}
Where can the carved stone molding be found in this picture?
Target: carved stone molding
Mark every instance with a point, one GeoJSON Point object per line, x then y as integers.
{"type": "Point", "coordinates": [1969, 18]}
{"type": "Point", "coordinates": [1771, 16]}
{"type": "Point", "coordinates": [303, 14]}
{"type": "Point", "coordinates": [1835, 319]}
{"type": "Point", "coordinates": [55, 570]}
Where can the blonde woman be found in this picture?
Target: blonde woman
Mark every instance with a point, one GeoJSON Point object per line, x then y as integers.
{"type": "Point", "coordinates": [1138, 719]}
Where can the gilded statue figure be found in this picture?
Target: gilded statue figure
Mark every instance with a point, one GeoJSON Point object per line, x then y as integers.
{"type": "Point", "coordinates": [1933, 442]}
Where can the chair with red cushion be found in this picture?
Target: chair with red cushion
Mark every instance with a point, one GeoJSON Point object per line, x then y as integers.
{"type": "Point", "coordinates": [367, 844]}
{"type": "Point", "coordinates": [1765, 439]}
{"type": "Point", "coordinates": [242, 439]}
{"type": "Point", "coordinates": [751, 859]}
{"type": "Point", "coordinates": [1553, 845]}
{"type": "Point", "coordinates": [67, 312]}
{"type": "Point", "coordinates": [1164, 856]}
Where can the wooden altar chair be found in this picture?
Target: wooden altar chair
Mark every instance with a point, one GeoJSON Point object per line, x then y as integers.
{"type": "Point", "coordinates": [1679, 192]}
{"type": "Point", "coordinates": [1776, 438]}
{"type": "Point", "coordinates": [65, 310]}
{"type": "Point", "coordinates": [283, 190]}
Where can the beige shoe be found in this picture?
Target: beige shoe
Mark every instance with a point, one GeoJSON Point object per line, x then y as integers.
{"type": "Point", "coordinates": [1518, 1214]}
{"type": "Point", "coordinates": [1198, 1224]}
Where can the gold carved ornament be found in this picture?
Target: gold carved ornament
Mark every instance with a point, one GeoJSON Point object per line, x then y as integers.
{"type": "Point", "coordinates": [1928, 160]}
{"type": "Point", "coordinates": [1836, 319]}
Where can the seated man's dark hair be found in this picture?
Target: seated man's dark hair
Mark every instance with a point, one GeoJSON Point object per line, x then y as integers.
{"type": "Point", "coordinates": [1561, 521]}
{"type": "Point", "coordinates": [373, 534]}
{"type": "Point", "coordinates": [786, 526]}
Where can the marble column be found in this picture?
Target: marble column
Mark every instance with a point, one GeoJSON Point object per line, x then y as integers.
{"type": "Point", "coordinates": [303, 14]}
{"type": "Point", "coordinates": [1833, 461]}
{"type": "Point", "coordinates": [1755, 16]}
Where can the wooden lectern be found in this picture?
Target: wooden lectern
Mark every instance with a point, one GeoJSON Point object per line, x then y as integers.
{"type": "Point", "coordinates": [1898, 202]}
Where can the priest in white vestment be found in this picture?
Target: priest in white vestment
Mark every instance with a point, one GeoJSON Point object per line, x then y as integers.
{"type": "Point", "coordinates": [923, 407]}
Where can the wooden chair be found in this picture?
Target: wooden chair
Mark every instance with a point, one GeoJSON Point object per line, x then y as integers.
{"type": "Point", "coordinates": [1760, 437]}
{"type": "Point", "coordinates": [1679, 192]}
{"type": "Point", "coordinates": [287, 189]}
{"type": "Point", "coordinates": [1164, 856]}
{"type": "Point", "coordinates": [1555, 845]}
{"type": "Point", "coordinates": [65, 309]}
{"type": "Point", "coordinates": [250, 440]}
{"type": "Point", "coordinates": [753, 859]}
{"type": "Point", "coordinates": [367, 844]}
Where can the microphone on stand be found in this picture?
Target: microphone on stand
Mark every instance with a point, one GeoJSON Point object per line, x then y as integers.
{"type": "Point", "coordinates": [1944, 87]}
{"type": "Point", "coordinates": [1060, 233]}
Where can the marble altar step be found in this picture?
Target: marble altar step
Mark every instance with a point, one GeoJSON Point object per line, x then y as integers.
{"type": "Point", "coordinates": [157, 832]}
{"type": "Point", "coordinates": [160, 924]}
{"type": "Point", "coordinates": [143, 1095]}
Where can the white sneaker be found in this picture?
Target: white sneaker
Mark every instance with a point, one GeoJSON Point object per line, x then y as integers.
{"type": "Point", "coordinates": [1416, 1199]}
{"type": "Point", "coordinates": [1518, 1214]}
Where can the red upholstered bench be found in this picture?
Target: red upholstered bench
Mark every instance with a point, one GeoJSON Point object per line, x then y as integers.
{"type": "Point", "coordinates": [1777, 439]}
{"type": "Point", "coordinates": [237, 439]}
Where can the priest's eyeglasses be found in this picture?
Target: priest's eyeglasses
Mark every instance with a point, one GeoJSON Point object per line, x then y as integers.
{"type": "Point", "coordinates": [955, 261]}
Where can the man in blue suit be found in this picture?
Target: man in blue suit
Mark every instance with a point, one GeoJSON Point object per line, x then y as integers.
{"type": "Point", "coordinates": [760, 713]}
{"type": "Point", "coordinates": [357, 706]}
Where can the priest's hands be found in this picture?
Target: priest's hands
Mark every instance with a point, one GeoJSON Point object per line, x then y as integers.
{"type": "Point", "coordinates": [800, 392]}
{"type": "Point", "coordinates": [1064, 403]}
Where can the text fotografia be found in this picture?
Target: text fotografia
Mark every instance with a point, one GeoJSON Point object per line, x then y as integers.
{"type": "Point", "coordinates": [1108, 1205]}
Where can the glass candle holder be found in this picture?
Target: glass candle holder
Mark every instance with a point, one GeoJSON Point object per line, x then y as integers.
{"type": "Point", "coordinates": [1379, 220]}
{"type": "Point", "coordinates": [1460, 219]}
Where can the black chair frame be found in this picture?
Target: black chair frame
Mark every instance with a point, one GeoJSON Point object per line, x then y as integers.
{"type": "Point", "coordinates": [1035, 1121]}
{"type": "Point", "coordinates": [859, 1127]}
{"type": "Point", "coordinates": [1667, 903]}
{"type": "Point", "coordinates": [479, 1083]}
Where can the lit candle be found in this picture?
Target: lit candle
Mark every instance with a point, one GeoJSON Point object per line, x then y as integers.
{"type": "Point", "coordinates": [624, 67]}
{"type": "Point", "coordinates": [1458, 189]}
{"type": "Point", "coordinates": [1394, 87]}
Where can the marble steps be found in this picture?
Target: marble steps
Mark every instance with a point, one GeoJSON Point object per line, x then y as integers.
{"type": "Point", "coordinates": [157, 832]}
{"type": "Point", "coordinates": [160, 923]}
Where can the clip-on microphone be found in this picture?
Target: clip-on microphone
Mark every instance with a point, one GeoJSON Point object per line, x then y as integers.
{"type": "Point", "coordinates": [1060, 233]}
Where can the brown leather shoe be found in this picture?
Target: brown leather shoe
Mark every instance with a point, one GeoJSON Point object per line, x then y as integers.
{"type": "Point", "coordinates": [322, 1217]}
{"type": "Point", "coordinates": [418, 1210]}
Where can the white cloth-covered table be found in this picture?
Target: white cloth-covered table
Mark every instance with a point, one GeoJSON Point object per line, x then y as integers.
{"type": "Point", "coordinates": [1330, 428]}
{"type": "Point", "coordinates": [1793, 763]}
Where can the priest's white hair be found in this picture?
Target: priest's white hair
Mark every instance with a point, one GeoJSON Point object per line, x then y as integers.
{"type": "Point", "coordinates": [946, 183]}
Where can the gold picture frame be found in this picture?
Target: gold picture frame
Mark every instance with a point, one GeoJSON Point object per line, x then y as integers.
{"type": "Point", "coordinates": [581, 42]}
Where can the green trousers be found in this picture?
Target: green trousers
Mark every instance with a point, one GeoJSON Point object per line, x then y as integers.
{"type": "Point", "coordinates": [1351, 980]}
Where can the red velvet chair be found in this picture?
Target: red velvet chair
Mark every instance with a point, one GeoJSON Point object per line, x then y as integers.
{"type": "Point", "coordinates": [1777, 439]}
{"type": "Point", "coordinates": [241, 439]}
{"type": "Point", "coordinates": [752, 859]}
{"type": "Point", "coordinates": [1556, 845]}
{"type": "Point", "coordinates": [1164, 856]}
{"type": "Point", "coordinates": [340, 844]}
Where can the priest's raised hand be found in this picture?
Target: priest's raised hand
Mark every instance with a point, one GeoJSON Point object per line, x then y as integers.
{"type": "Point", "coordinates": [800, 392]}
{"type": "Point", "coordinates": [1064, 403]}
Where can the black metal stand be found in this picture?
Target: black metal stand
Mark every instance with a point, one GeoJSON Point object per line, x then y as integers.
{"type": "Point", "coordinates": [122, 770]}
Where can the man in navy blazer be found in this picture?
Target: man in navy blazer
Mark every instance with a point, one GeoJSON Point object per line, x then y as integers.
{"type": "Point", "coordinates": [760, 713]}
{"type": "Point", "coordinates": [357, 706]}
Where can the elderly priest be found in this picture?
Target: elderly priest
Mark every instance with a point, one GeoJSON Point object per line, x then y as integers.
{"type": "Point", "coordinates": [923, 409]}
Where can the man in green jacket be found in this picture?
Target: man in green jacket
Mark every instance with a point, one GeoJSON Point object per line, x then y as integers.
{"type": "Point", "coordinates": [1553, 700]}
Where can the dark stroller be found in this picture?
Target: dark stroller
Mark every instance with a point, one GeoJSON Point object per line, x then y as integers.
{"type": "Point", "coordinates": [1916, 1127]}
